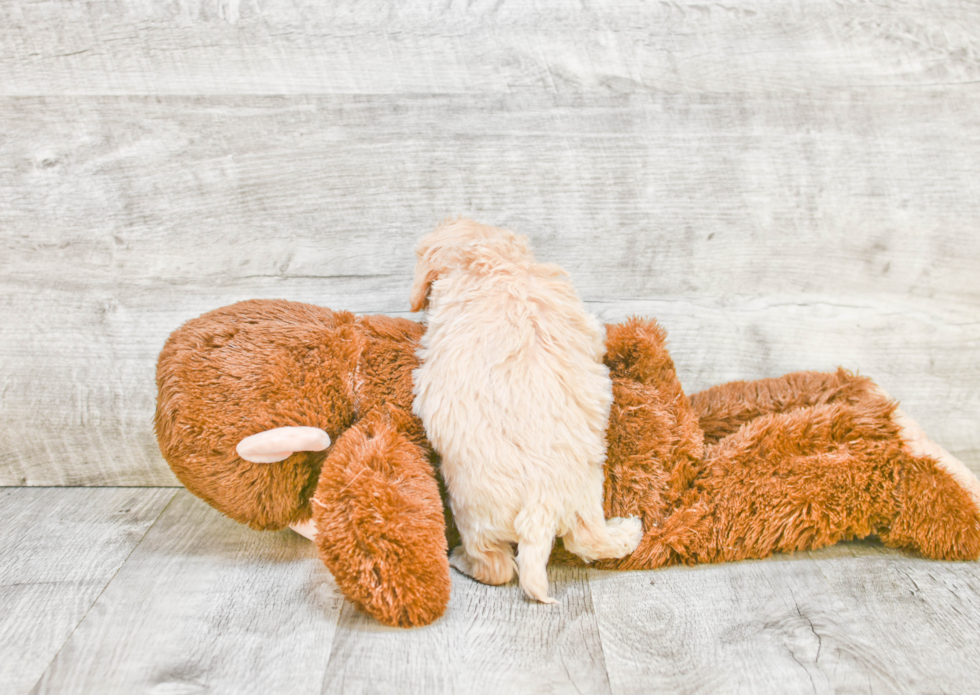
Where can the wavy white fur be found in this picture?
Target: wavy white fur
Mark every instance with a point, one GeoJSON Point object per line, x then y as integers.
{"type": "Point", "coordinates": [515, 399]}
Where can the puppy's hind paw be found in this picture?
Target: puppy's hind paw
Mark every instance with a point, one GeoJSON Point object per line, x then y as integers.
{"type": "Point", "coordinates": [461, 561]}
{"type": "Point", "coordinates": [495, 567]}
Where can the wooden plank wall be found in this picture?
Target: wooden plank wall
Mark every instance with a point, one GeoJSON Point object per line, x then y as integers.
{"type": "Point", "coordinates": [784, 184]}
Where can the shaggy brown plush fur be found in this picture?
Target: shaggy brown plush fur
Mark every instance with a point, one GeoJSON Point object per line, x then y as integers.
{"type": "Point", "coordinates": [741, 470]}
{"type": "Point", "coordinates": [257, 365]}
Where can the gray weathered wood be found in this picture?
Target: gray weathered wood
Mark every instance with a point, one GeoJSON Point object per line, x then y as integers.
{"type": "Point", "coordinates": [769, 233]}
{"type": "Point", "coordinates": [60, 548]}
{"type": "Point", "coordinates": [205, 605]}
{"type": "Point", "coordinates": [784, 184]}
{"type": "Point", "coordinates": [491, 640]}
{"type": "Point", "coordinates": [429, 46]}
{"type": "Point", "coordinates": [879, 622]}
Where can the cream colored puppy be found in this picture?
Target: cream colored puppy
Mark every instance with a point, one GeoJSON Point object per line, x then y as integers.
{"type": "Point", "coordinates": [515, 399]}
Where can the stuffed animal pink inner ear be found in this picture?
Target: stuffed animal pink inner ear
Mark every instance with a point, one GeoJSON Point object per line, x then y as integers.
{"type": "Point", "coordinates": [281, 443]}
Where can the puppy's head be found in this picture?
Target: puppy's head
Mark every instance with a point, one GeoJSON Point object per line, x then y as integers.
{"type": "Point", "coordinates": [460, 243]}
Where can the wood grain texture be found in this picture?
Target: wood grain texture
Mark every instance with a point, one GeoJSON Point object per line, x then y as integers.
{"type": "Point", "coordinates": [878, 623]}
{"type": "Point", "coordinates": [205, 605]}
{"type": "Point", "coordinates": [429, 46]}
{"type": "Point", "coordinates": [491, 640]}
{"type": "Point", "coordinates": [59, 549]}
{"type": "Point", "coordinates": [785, 185]}
{"type": "Point", "coordinates": [768, 232]}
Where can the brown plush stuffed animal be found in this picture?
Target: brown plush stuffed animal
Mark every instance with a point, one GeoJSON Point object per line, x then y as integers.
{"type": "Point", "coordinates": [739, 471]}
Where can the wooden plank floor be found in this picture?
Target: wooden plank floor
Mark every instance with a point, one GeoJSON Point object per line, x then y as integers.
{"type": "Point", "coordinates": [148, 590]}
{"type": "Point", "coordinates": [204, 604]}
{"type": "Point", "coordinates": [59, 549]}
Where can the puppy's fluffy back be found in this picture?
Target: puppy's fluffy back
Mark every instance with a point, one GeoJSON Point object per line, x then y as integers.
{"type": "Point", "coordinates": [511, 383]}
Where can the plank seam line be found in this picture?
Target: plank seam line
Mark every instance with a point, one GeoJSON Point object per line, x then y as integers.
{"type": "Point", "coordinates": [344, 602]}
{"type": "Point", "coordinates": [111, 579]}
{"type": "Point", "coordinates": [598, 628]}
{"type": "Point", "coordinates": [93, 487]}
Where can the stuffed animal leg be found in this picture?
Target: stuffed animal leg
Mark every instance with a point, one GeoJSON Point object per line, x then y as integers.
{"type": "Point", "coordinates": [935, 503]}
{"type": "Point", "coordinates": [746, 469]}
{"type": "Point", "coordinates": [809, 459]}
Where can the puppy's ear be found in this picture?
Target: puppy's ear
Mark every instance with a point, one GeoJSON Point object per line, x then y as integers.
{"type": "Point", "coordinates": [520, 246]}
{"type": "Point", "coordinates": [425, 274]}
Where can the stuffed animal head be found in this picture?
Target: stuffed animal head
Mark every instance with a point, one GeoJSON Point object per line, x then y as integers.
{"type": "Point", "coordinates": [459, 244]}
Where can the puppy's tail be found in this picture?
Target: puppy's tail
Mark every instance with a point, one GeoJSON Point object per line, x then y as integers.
{"type": "Point", "coordinates": [533, 551]}
{"type": "Point", "coordinates": [594, 538]}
